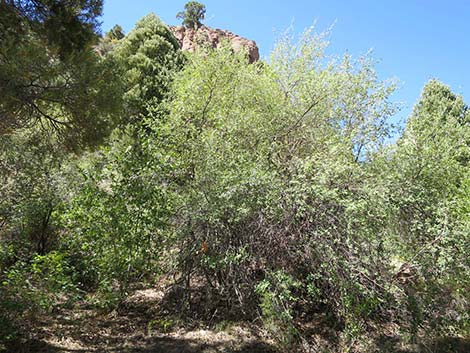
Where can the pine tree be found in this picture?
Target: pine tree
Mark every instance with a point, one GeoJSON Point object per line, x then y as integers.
{"type": "Point", "coordinates": [193, 14]}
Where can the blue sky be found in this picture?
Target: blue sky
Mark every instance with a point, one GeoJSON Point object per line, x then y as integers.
{"type": "Point", "coordinates": [413, 40]}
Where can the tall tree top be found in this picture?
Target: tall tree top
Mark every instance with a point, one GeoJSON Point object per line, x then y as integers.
{"type": "Point", "coordinates": [192, 15]}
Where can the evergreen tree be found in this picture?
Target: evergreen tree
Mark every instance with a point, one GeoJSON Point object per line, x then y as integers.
{"type": "Point", "coordinates": [149, 55]}
{"type": "Point", "coordinates": [441, 119]}
{"type": "Point", "coordinates": [50, 76]}
{"type": "Point", "coordinates": [192, 15]}
{"type": "Point", "coordinates": [428, 177]}
{"type": "Point", "coordinates": [115, 33]}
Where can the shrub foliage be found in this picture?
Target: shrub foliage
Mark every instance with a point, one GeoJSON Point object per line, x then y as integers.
{"type": "Point", "coordinates": [274, 184]}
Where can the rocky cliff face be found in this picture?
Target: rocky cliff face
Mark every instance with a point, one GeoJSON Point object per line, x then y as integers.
{"type": "Point", "coordinates": [190, 39]}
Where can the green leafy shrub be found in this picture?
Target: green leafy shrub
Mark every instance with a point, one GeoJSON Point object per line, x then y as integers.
{"type": "Point", "coordinates": [29, 289]}
{"type": "Point", "coordinates": [272, 176]}
{"type": "Point", "coordinates": [117, 215]}
{"type": "Point", "coordinates": [269, 183]}
{"type": "Point", "coordinates": [277, 298]}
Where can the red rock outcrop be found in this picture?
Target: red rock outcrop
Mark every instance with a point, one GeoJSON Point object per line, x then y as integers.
{"type": "Point", "coordinates": [190, 39]}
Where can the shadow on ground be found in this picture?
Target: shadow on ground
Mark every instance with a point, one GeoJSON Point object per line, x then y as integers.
{"type": "Point", "coordinates": [442, 345]}
{"type": "Point", "coordinates": [157, 345]}
{"type": "Point", "coordinates": [144, 325]}
{"type": "Point", "coordinates": [137, 326]}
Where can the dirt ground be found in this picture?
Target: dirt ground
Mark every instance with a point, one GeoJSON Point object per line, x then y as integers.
{"type": "Point", "coordinates": [143, 324]}
{"type": "Point", "coordinates": [137, 327]}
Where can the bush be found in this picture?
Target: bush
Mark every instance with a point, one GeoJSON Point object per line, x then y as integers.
{"type": "Point", "coordinates": [272, 177]}
{"type": "Point", "coordinates": [29, 289]}
{"type": "Point", "coordinates": [277, 298]}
